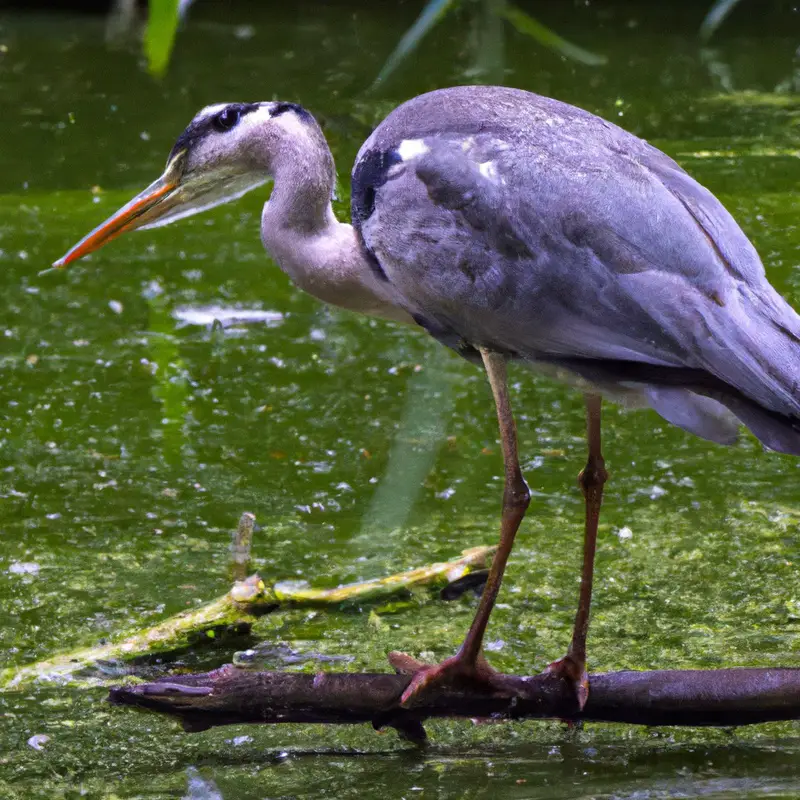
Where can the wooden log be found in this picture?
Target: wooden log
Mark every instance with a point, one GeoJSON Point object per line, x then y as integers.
{"type": "Point", "coordinates": [725, 697]}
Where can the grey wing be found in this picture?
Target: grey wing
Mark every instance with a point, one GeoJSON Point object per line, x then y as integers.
{"type": "Point", "coordinates": [587, 254]}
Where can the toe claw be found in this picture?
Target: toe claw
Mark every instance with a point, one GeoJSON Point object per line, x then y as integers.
{"type": "Point", "coordinates": [438, 675]}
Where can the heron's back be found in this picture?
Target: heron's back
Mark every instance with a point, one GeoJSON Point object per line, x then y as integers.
{"type": "Point", "coordinates": [517, 222]}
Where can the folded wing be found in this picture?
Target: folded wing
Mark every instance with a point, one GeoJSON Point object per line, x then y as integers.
{"type": "Point", "coordinates": [574, 251]}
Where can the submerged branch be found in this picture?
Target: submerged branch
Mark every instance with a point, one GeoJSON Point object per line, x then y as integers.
{"type": "Point", "coordinates": [236, 612]}
{"type": "Point", "coordinates": [229, 695]}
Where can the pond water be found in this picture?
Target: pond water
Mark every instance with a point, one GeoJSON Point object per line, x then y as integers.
{"type": "Point", "coordinates": [133, 432]}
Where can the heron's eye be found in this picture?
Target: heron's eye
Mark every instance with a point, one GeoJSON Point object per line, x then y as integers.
{"type": "Point", "coordinates": [226, 119]}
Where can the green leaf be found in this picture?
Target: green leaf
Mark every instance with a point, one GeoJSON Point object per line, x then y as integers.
{"type": "Point", "coordinates": [162, 25]}
{"type": "Point", "coordinates": [433, 12]}
{"type": "Point", "coordinates": [715, 17]}
{"type": "Point", "coordinates": [526, 24]}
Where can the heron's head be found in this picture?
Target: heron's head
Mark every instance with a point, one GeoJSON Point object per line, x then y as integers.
{"type": "Point", "coordinates": [227, 150]}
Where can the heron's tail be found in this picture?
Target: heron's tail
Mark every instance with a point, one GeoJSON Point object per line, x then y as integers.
{"type": "Point", "coordinates": [754, 347]}
{"type": "Point", "coordinates": [716, 416]}
{"type": "Point", "coordinates": [746, 369]}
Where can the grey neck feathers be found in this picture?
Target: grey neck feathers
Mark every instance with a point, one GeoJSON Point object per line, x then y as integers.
{"type": "Point", "coordinates": [300, 231]}
{"type": "Point", "coordinates": [304, 176]}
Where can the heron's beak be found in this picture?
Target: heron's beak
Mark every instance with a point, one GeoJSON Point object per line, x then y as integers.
{"type": "Point", "coordinates": [147, 208]}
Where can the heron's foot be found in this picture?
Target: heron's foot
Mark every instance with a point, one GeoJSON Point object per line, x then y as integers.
{"type": "Point", "coordinates": [454, 672]}
{"type": "Point", "coordinates": [573, 671]}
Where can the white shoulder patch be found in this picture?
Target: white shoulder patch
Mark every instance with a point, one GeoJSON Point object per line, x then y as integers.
{"type": "Point", "coordinates": [412, 148]}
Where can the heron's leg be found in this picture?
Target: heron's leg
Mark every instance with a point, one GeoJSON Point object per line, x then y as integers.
{"type": "Point", "coordinates": [516, 498]}
{"type": "Point", "coordinates": [468, 664]}
{"type": "Point", "coordinates": [591, 480]}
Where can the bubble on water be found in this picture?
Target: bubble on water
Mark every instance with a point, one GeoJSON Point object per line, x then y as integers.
{"type": "Point", "coordinates": [23, 568]}
{"type": "Point", "coordinates": [38, 741]}
{"type": "Point", "coordinates": [152, 289]}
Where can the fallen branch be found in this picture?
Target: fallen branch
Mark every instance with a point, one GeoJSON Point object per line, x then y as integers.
{"type": "Point", "coordinates": [725, 697]}
{"type": "Point", "coordinates": [237, 611]}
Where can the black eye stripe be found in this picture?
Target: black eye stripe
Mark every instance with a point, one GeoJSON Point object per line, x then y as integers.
{"type": "Point", "coordinates": [282, 108]}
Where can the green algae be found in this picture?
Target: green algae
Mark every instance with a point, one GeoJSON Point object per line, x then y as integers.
{"type": "Point", "coordinates": [129, 439]}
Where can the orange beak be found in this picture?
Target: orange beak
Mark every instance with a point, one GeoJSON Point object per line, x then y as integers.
{"type": "Point", "coordinates": [145, 209]}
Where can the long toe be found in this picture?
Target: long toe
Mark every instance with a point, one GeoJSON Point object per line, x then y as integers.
{"type": "Point", "coordinates": [454, 672]}
{"type": "Point", "coordinates": [404, 664]}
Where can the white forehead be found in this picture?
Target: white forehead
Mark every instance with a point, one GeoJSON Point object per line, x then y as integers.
{"type": "Point", "coordinates": [261, 113]}
{"type": "Point", "coordinates": [209, 111]}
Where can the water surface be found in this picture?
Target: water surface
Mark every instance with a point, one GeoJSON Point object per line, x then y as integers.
{"type": "Point", "coordinates": [133, 432]}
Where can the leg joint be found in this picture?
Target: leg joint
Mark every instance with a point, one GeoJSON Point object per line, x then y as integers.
{"type": "Point", "coordinates": [594, 474]}
{"type": "Point", "coordinates": [516, 493]}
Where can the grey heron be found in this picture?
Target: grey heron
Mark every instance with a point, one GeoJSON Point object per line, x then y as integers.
{"type": "Point", "coordinates": [511, 226]}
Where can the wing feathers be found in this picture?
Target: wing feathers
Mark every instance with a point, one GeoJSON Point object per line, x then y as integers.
{"type": "Point", "coordinates": [579, 241]}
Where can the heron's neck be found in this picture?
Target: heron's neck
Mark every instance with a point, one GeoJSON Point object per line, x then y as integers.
{"type": "Point", "coordinates": [304, 178]}
{"type": "Point", "coordinates": [320, 254]}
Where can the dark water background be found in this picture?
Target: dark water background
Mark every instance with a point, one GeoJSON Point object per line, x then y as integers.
{"type": "Point", "coordinates": [132, 434]}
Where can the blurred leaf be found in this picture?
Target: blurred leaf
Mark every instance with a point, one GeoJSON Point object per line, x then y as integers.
{"type": "Point", "coordinates": [433, 12]}
{"type": "Point", "coordinates": [526, 24]}
{"type": "Point", "coordinates": [162, 25]}
{"type": "Point", "coordinates": [715, 17]}
{"type": "Point", "coordinates": [489, 35]}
